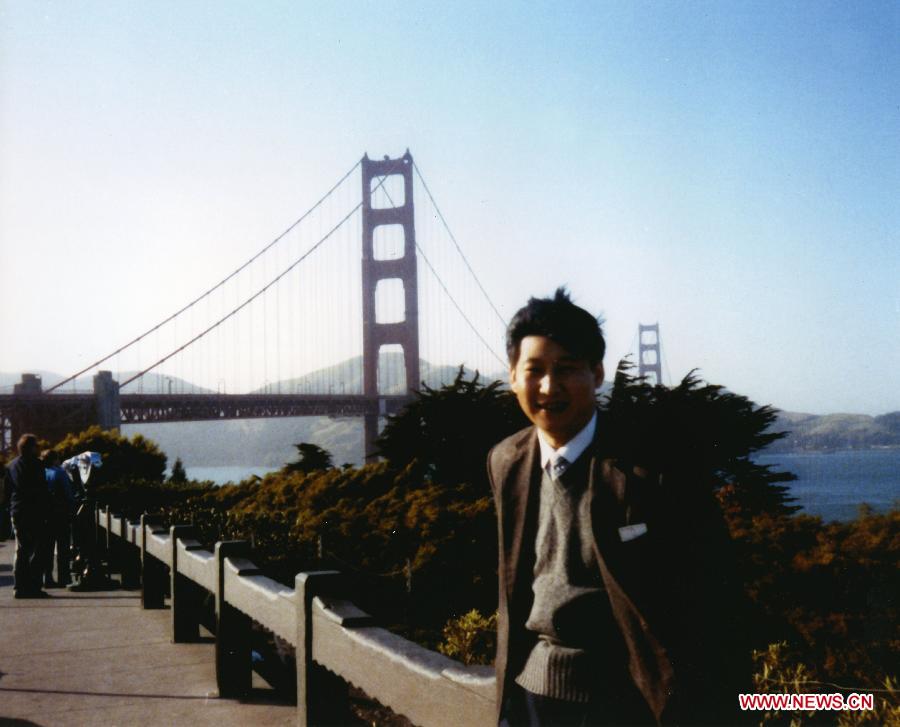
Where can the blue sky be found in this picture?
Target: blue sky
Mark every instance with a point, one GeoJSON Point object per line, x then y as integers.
{"type": "Point", "coordinates": [728, 169]}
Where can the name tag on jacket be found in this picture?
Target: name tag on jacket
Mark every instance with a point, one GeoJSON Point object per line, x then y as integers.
{"type": "Point", "coordinates": [630, 532]}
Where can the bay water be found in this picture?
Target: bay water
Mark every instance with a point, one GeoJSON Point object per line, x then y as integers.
{"type": "Point", "coordinates": [831, 485]}
{"type": "Point", "coordinates": [224, 475]}
{"type": "Point", "coordinates": [834, 484]}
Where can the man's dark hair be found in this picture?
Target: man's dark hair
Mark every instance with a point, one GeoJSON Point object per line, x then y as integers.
{"type": "Point", "coordinates": [26, 441]}
{"type": "Point", "coordinates": [560, 320]}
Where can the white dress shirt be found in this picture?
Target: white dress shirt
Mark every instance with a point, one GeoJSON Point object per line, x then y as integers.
{"type": "Point", "coordinates": [571, 450]}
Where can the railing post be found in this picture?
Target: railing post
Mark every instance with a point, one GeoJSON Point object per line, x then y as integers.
{"type": "Point", "coordinates": [153, 572]}
{"type": "Point", "coordinates": [130, 557]}
{"type": "Point", "coordinates": [112, 545]}
{"type": "Point", "coordinates": [109, 545]}
{"type": "Point", "coordinates": [113, 548]}
{"type": "Point", "coordinates": [185, 606]}
{"type": "Point", "coordinates": [99, 539]}
{"type": "Point", "coordinates": [234, 666]}
{"type": "Point", "coordinates": [321, 696]}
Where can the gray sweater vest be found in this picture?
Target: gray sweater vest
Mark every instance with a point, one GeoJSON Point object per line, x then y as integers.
{"type": "Point", "coordinates": [569, 597]}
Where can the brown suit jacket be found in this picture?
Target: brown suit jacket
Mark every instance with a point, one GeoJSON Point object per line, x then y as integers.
{"type": "Point", "coordinates": [655, 603]}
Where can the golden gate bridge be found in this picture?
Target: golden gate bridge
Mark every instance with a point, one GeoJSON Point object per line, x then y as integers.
{"type": "Point", "coordinates": [363, 298]}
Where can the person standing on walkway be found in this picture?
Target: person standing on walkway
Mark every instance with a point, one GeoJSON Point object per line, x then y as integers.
{"type": "Point", "coordinates": [25, 489]}
{"type": "Point", "coordinates": [615, 603]}
{"type": "Point", "coordinates": [59, 526]}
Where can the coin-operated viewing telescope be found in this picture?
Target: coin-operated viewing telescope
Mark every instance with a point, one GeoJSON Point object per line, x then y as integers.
{"type": "Point", "coordinates": [86, 566]}
{"type": "Point", "coordinates": [84, 464]}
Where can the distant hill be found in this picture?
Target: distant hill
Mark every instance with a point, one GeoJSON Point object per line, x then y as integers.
{"type": "Point", "coordinates": [810, 432]}
{"type": "Point", "coordinates": [270, 442]}
{"type": "Point", "coordinates": [254, 442]}
{"type": "Point", "coordinates": [347, 377]}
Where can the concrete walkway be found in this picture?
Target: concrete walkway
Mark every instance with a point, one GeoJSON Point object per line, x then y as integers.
{"type": "Point", "coordinates": [100, 659]}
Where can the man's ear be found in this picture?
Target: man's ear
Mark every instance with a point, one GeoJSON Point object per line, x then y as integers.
{"type": "Point", "coordinates": [598, 375]}
{"type": "Point", "coordinates": [513, 382]}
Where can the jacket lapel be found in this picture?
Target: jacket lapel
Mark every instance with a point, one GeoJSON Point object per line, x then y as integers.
{"type": "Point", "coordinates": [522, 486]}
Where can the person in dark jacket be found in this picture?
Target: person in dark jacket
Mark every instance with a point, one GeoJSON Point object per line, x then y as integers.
{"type": "Point", "coordinates": [611, 606]}
{"type": "Point", "coordinates": [25, 489]}
{"type": "Point", "coordinates": [59, 529]}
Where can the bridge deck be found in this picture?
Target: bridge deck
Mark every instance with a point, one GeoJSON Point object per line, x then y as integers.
{"type": "Point", "coordinates": [99, 659]}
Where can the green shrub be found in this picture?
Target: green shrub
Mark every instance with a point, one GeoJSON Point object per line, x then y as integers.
{"type": "Point", "coordinates": [470, 638]}
{"type": "Point", "coordinates": [124, 460]}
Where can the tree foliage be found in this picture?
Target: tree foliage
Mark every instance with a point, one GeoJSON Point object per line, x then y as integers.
{"type": "Point", "coordinates": [124, 460]}
{"type": "Point", "coordinates": [829, 591]}
{"type": "Point", "coordinates": [311, 459]}
{"type": "Point", "coordinates": [471, 638]}
{"type": "Point", "coordinates": [179, 474]}
{"type": "Point", "coordinates": [381, 525]}
{"type": "Point", "coordinates": [134, 498]}
{"type": "Point", "coordinates": [445, 433]}
{"type": "Point", "coordinates": [131, 480]}
{"type": "Point", "coordinates": [701, 433]}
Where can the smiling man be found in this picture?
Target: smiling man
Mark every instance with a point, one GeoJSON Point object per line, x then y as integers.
{"type": "Point", "coordinates": [594, 582]}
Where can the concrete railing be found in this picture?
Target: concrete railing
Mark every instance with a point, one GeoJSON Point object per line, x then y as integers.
{"type": "Point", "coordinates": [328, 632]}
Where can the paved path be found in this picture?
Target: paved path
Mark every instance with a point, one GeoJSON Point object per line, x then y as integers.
{"type": "Point", "coordinates": [100, 659]}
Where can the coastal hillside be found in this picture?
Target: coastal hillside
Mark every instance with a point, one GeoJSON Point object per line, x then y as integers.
{"type": "Point", "coordinates": [810, 432]}
{"type": "Point", "coordinates": [347, 377]}
{"type": "Point", "coordinates": [254, 442]}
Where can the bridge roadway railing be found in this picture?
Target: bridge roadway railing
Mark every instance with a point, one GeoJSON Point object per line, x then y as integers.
{"type": "Point", "coordinates": [328, 632]}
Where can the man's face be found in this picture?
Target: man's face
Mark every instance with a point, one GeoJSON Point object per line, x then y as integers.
{"type": "Point", "coordinates": [554, 389]}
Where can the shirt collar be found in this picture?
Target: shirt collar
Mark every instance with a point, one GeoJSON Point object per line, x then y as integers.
{"type": "Point", "coordinates": [572, 449]}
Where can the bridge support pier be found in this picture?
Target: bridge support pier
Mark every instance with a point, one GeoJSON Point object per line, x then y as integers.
{"type": "Point", "coordinates": [379, 266]}
{"type": "Point", "coordinates": [108, 403]}
{"type": "Point", "coordinates": [649, 360]}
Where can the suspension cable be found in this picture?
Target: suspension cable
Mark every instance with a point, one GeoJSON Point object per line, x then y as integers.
{"type": "Point", "coordinates": [247, 301]}
{"type": "Point", "coordinates": [664, 359]}
{"type": "Point", "coordinates": [215, 287]}
{"type": "Point", "coordinates": [456, 305]}
{"type": "Point", "coordinates": [441, 282]}
{"type": "Point", "coordinates": [259, 292]}
{"type": "Point", "coordinates": [458, 248]}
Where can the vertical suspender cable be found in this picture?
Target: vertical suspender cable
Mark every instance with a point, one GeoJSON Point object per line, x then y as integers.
{"type": "Point", "coordinates": [215, 287]}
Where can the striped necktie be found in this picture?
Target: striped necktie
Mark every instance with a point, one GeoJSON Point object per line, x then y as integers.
{"type": "Point", "coordinates": [558, 466]}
